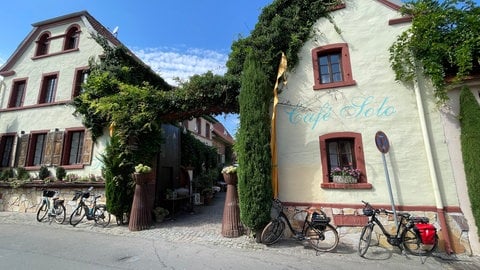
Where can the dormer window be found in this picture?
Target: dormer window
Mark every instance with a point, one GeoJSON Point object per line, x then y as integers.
{"type": "Point", "coordinates": [42, 45]}
{"type": "Point", "coordinates": [71, 39]}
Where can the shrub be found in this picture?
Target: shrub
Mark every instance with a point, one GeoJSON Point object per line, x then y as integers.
{"type": "Point", "coordinates": [43, 173]}
{"type": "Point", "coordinates": [22, 173]}
{"type": "Point", "coordinates": [60, 173]}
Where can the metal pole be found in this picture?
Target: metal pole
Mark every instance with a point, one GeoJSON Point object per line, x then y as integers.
{"type": "Point", "coordinates": [387, 177]}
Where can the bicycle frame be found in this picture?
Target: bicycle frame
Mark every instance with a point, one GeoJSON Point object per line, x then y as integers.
{"type": "Point", "coordinates": [306, 224]}
{"type": "Point", "coordinates": [392, 239]}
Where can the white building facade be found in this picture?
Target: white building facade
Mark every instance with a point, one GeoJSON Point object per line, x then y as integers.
{"type": "Point", "coordinates": [340, 95]}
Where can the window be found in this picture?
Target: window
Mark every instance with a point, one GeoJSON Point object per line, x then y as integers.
{"type": "Point", "coordinates": [81, 76]}
{"type": "Point", "coordinates": [340, 153]}
{"type": "Point", "coordinates": [18, 93]}
{"type": "Point", "coordinates": [36, 149]}
{"type": "Point", "coordinates": [331, 66]}
{"type": "Point", "coordinates": [207, 131]}
{"type": "Point", "coordinates": [199, 126]}
{"type": "Point", "coordinates": [49, 85]}
{"type": "Point", "coordinates": [342, 149]}
{"type": "Point", "coordinates": [71, 39]}
{"type": "Point", "coordinates": [42, 45]}
{"type": "Point", "coordinates": [75, 147]}
{"type": "Point", "coordinates": [6, 150]}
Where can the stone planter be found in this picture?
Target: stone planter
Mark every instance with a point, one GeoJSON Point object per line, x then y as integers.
{"type": "Point", "coordinates": [344, 179]}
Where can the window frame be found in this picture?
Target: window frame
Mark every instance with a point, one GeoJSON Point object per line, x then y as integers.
{"type": "Point", "coordinates": [359, 161]}
{"type": "Point", "coordinates": [14, 95]}
{"type": "Point", "coordinates": [72, 33]}
{"type": "Point", "coordinates": [67, 147]}
{"type": "Point", "coordinates": [32, 148]}
{"type": "Point", "coordinates": [346, 68]}
{"type": "Point", "coordinates": [78, 80]}
{"type": "Point", "coordinates": [3, 146]}
{"type": "Point", "coordinates": [43, 44]}
{"type": "Point", "coordinates": [44, 88]}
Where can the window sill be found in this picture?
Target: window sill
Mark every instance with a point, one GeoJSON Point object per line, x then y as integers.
{"type": "Point", "coordinates": [333, 85]}
{"type": "Point", "coordinates": [346, 186]}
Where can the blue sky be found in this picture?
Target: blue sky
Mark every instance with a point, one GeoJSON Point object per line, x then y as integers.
{"type": "Point", "coordinates": [176, 38]}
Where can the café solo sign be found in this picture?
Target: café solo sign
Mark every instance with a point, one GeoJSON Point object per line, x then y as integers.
{"type": "Point", "coordinates": [383, 145]}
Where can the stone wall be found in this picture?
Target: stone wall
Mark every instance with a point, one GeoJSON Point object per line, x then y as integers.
{"type": "Point", "coordinates": [26, 199]}
{"type": "Point", "coordinates": [349, 222]}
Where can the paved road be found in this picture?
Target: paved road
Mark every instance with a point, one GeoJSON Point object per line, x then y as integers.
{"type": "Point", "coordinates": [192, 241]}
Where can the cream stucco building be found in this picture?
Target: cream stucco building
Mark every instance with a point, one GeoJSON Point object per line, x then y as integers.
{"type": "Point", "coordinates": [340, 94]}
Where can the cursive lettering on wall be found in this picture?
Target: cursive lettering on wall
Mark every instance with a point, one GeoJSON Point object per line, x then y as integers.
{"type": "Point", "coordinates": [356, 109]}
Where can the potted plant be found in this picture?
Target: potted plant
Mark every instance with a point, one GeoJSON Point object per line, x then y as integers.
{"type": "Point", "coordinates": [345, 175]}
{"type": "Point", "coordinates": [60, 173]}
{"type": "Point", "coordinates": [160, 213]}
{"type": "Point", "coordinates": [142, 174]}
{"type": "Point", "coordinates": [230, 175]}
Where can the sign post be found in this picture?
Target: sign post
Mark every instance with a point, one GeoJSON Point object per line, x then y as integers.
{"type": "Point", "coordinates": [381, 140]}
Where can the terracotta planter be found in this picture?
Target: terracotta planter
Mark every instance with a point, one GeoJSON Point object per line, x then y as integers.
{"type": "Point", "coordinates": [230, 178]}
{"type": "Point", "coordinates": [142, 178]}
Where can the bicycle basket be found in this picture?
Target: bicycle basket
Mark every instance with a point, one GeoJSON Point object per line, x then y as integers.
{"type": "Point", "coordinates": [420, 219]}
{"type": "Point", "coordinates": [368, 211]}
{"type": "Point", "coordinates": [320, 218]}
{"type": "Point", "coordinates": [48, 193]}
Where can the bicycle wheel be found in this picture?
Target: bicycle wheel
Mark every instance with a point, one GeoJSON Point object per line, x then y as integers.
{"type": "Point", "coordinates": [413, 244]}
{"type": "Point", "coordinates": [77, 215]}
{"type": "Point", "coordinates": [365, 238]}
{"type": "Point", "coordinates": [324, 238]}
{"type": "Point", "coordinates": [42, 212]}
{"type": "Point", "coordinates": [101, 216]}
{"type": "Point", "coordinates": [60, 213]}
{"type": "Point", "coordinates": [272, 232]}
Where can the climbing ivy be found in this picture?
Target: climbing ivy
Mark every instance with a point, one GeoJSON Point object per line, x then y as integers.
{"type": "Point", "coordinates": [445, 40]}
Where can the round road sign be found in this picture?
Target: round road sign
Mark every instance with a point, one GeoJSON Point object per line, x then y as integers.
{"type": "Point", "coordinates": [381, 141]}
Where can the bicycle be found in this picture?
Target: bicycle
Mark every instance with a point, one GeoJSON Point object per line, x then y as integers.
{"type": "Point", "coordinates": [97, 212]}
{"type": "Point", "coordinates": [55, 211]}
{"type": "Point", "coordinates": [413, 234]}
{"type": "Point", "coordinates": [316, 229]}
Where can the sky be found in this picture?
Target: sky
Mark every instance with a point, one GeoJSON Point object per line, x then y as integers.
{"type": "Point", "coordinates": [176, 38]}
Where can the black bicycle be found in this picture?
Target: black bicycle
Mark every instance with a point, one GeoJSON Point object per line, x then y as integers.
{"type": "Point", "coordinates": [97, 212]}
{"type": "Point", "coordinates": [413, 234]}
{"type": "Point", "coordinates": [54, 211]}
{"type": "Point", "coordinates": [316, 229]}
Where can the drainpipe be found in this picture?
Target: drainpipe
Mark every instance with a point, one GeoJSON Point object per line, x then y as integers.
{"type": "Point", "coordinates": [431, 166]}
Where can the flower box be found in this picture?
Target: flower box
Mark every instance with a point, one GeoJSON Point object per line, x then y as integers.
{"type": "Point", "coordinates": [344, 179]}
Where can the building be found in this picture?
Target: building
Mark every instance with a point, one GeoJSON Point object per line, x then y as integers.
{"type": "Point", "coordinates": [37, 122]}
{"type": "Point", "coordinates": [340, 97]}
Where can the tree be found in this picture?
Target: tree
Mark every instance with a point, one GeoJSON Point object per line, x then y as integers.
{"type": "Point", "coordinates": [253, 137]}
{"type": "Point", "coordinates": [443, 38]}
{"type": "Point", "coordinates": [470, 140]}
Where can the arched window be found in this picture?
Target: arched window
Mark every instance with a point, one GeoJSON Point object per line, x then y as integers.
{"type": "Point", "coordinates": [42, 44]}
{"type": "Point", "coordinates": [71, 38]}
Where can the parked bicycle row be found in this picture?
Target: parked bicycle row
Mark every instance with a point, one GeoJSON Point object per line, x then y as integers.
{"type": "Point", "coordinates": [52, 208]}
{"type": "Point", "coordinates": [414, 235]}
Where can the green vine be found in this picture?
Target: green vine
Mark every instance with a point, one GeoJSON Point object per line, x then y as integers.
{"type": "Point", "coordinates": [444, 39]}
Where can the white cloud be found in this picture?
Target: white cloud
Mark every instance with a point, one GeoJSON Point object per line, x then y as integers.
{"type": "Point", "coordinates": [170, 63]}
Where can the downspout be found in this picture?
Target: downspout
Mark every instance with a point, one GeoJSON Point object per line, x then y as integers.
{"type": "Point", "coordinates": [431, 166]}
